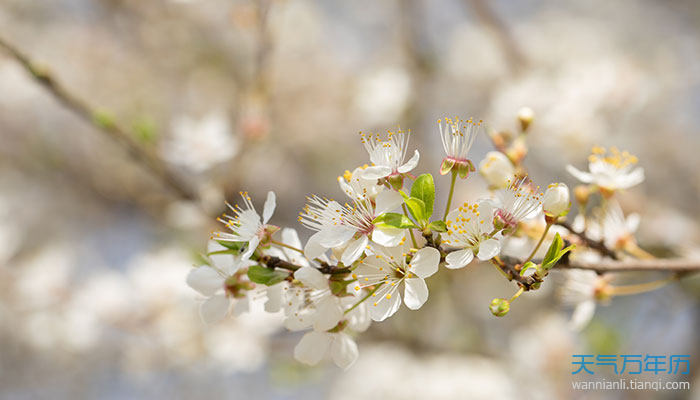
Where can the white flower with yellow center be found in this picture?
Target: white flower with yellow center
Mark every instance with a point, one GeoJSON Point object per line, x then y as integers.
{"type": "Point", "coordinates": [457, 139]}
{"type": "Point", "coordinates": [388, 155]}
{"type": "Point", "coordinates": [610, 171]}
{"type": "Point", "coordinates": [516, 203]}
{"type": "Point", "coordinates": [497, 169]}
{"type": "Point", "coordinates": [245, 223]}
{"type": "Point", "coordinates": [312, 305]}
{"type": "Point", "coordinates": [349, 226]}
{"type": "Point", "coordinates": [217, 284]}
{"type": "Point", "coordinates": [611, 226]}
{"type": "Point", "coordinates": [581, 290]}
{"type": "Point", "coordinates": [315, 345]}
{"type": "Point", "coordinates": [387, 269]}
{"type": "Point", "coordinates": [470, 229]}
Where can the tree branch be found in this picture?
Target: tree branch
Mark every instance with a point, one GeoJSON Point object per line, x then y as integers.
{"type": "Point", "coordinates": [596, 245]}
{"type": "Point", "coordinates": [659, 264]}
{"type": "Point", "coordinates": [147, 158]}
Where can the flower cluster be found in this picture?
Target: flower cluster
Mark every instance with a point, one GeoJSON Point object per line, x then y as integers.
{"type": "Point", "coordinates": [375, 250]}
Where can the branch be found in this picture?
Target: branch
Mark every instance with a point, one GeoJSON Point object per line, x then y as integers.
{"type": "Point", "coordinates": [147, 158]}
{"type": "Point", "coordinates": [659, 264]}
{"type": "Point", "coordinates": [593, 244]}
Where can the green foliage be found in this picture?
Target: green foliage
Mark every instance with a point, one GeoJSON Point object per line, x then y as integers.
{"type": "Point", "coordinates": [438, 226]}
{"type": "Point", "coordinates": [528, 265]}
{"type": "Point", "coordinates": [103, 119]}
{"type": "Point", "coordinates": [417, 209]}
{"type": "Point", "coordinates": [266, 276]}
{"type": "Point", "coordinates": [145, 130]}
{"type": "Point", "coordinates": [555, 253]}
{"type": "Point", "coordinates": [393, 220]}
{"type": "Point", "coordinates": [423, 189]}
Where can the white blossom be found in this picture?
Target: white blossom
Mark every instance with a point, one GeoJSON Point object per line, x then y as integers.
{"type": "Point", "coordinates": [610, 171]}
{"type": "Point", "coordinates": [314, 304]}
{"type": "Point", "coordinates": [211, 282]}
{"type": "Point", "coordinates": [497, 169]}
{"type": "Point", "coordinates": [201, 144]}
{"type": "Point", "coordinates": [516, 203]}
{"type": "Point", "coordinates": [349, 226]}
{"type": "Point", "coordinates": [387, 269]}
{"type": "Point", "coordinates": [581, 289]}
{"type": "Point", "coordinates": [555, 201]}
{"type": "Point", "coordinates": [469, 229]}
{"type": "Point", "coordinates": [245, 223]}
{"type": "Point", "coordinates": [457, 137]}
{"type": "Point", "coordinates": [388, 155]}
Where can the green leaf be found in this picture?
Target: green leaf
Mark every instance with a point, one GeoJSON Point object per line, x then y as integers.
{"type": "Point", "coordinates": [528, 265]}
{"type": "Point", "coordinates": [417, 209]}
{"type": "Point", "coordinates": [266, 276]}
{"type": "Point", "coordinates": [232, 245]}
{"type": "Point", "coordinates": [553, 250]}
{"type": "Point", "coordinates": [555, 253]}
{"type": "Point", "coordinates": [393, 220]}
{"type": "Point", "coordinates": [424, 189]}
{"type": "Point", "coordinates": [438, 226]}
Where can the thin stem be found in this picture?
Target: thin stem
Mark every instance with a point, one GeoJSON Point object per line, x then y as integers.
{"type": "Point", "coordinates": [633, 249]}
{"type": "Point", "coordinates": [287, 246]}
{"type": "Point", "coordinates": [628, 290]}
{"type": "Point", "coordinates": [517, 294]}
{"type": "Point", "coordinates": [102, 122]}
{"type": "Point", "coordinates": [497, 263]}
{"type": "Point", "coordinates": [410, 231]}
{"type": "Point", "coordinates": [544, 235]}
{"type": "Point", "coordinates": [362, 300]}
{"type": "Point", "coordinates": [452, 190]}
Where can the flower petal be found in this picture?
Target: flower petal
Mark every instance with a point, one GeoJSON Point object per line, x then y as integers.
{"type": "Point", "coordinates": [269, 207]}
{"type": "Point", "coordinates": [376, 172]}
{"type": "Point", "coordinates": [582, 315]}
{"type": "Point", "coordinates": [354, 250]}
{"type": "Point", "coordinates": [459, 259]}
{"type": "Point", "coordinates": [425, 262]}
{"type": "Point", "coordinates": [389, 237]}
{"type": "Point", "coordinates": [328, 313]}
{"type": "Point", "coordinates": [387, 200]}
{"type": "Point", "coordinates": [312, 347]}
{"type": "Point", "coordinates": [214, 309]}
{"type": "Point", "coordinates": [410, 164]}
{"type": "Point", "coordinates": [313, 248]}
{"type": "Point", "coordinates": [584, 177]}
{"type": "Point", "coordinates": [415, 293]}
{"type": "Point", "coordinates": [384, 308]}
{"type": "Point", "coordinates": [252, 246]}
{"type": "Point", "coordinates": [222, 261]}
{"type": "Point", "coordinates": [311, 277]}
{"type": "Point", "coordinates": [344, 350]}
{"type": "Point", "coordinates": [335, 236]}
{"type": "Point", "coordinates": [488, 249]}
{"type": "Point", "coordinates": [205, 280]}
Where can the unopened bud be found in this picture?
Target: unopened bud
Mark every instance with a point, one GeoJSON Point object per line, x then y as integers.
{"type": "Point", "coordinates": [497, 169]}
{"type": "Point", "coordinates": [555, 201]}
{"type": "Point", "coordinates": [499, 307]}
{"type": "Point", "coordinates": [582, 193]}
{"type": "Point", "coordinates": [525, 116]}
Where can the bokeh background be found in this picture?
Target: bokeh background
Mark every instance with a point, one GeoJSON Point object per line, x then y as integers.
{"type": "Point", "coordinates": [229, 95]}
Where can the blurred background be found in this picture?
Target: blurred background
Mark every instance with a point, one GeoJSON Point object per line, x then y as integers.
{"type": "Point", "coordinates": [142, 117]}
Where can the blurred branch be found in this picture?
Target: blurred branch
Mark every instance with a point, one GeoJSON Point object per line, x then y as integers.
{"type": "Point", "coordinates": [597, 245]}
{"type": "Point", "coordinates": [509, 45]}
{"type": "Point", "coordinates": [103, 123]}
{"type": "Point", "coordinates": [659, 264]}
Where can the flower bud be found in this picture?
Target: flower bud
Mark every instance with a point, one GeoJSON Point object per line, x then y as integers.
{"type": "Point", "coordinates": [499, 307]}
{"type": "Point", "coordinates": [525, 116]}
{"type": "Point", "coordinates": [556, 202]}
{"type": "Point", "coordinates": [396, 181]}
{"type": "Point", "coordinates": [582, 193]}
{"type": "Point", "coordinates": [497, 169]}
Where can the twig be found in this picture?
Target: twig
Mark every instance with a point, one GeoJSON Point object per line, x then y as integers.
{"type": "Point", "coordinates": [101, 122]}
{"type": "Point", "coordinates": [596, 245]}
{"type": "Point", "coordinates": [658, 264]}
